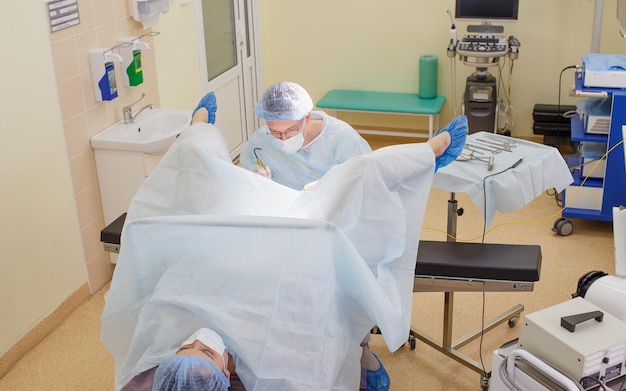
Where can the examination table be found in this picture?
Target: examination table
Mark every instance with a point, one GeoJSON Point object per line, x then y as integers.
{"type": "Point", "coordinates": [472, 267]}
{"type": "Point", "coordinates": [378, 196]}
{"type": "Point", "coordinates": [451, 267]}
{"type": "Point", "coordinates": [351, 269]}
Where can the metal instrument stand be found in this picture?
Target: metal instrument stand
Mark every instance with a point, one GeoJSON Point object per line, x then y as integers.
{"type": "Point", "coordinates": [447, 346]}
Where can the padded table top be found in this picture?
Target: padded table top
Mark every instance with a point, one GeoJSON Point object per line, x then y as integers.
{"type": "Point", "coordinates": [112, 233]}
{"type": "Point", "coordinates": [391, 102]}
{"type": "Point", "coordinates": [486, 261]}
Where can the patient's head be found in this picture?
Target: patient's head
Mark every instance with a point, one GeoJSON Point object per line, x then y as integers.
{"type": "Point", "coordinates": [199, 364]}
{"type": "Point", "coordinates": [206, 343]}
{"type": "Point", "coordinates": [189, 373]}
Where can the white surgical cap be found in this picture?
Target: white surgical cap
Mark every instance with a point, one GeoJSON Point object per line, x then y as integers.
{"type": "Point", "coordinates": [284, 101]}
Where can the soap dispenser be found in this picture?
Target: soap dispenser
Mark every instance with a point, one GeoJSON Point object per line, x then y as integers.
{"type": "Point", "coordinates": [103, 73]}
{"type": "Point", "coordinates": [130, 49]}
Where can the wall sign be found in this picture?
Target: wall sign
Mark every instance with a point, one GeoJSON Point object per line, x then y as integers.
{"type": "Point", "coordinates": [63, 14]}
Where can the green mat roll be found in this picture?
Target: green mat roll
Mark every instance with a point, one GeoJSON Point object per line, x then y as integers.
{"type": "Point", "coordinates": [428, 76]}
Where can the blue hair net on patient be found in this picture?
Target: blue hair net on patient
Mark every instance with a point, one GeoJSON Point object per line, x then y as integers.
{"type": "Point", "coordinates": [284, 101]}
{"type": "Point", "coordinates": [189, 373]}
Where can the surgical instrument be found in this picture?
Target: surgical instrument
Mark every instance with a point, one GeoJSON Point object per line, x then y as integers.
{"type": "Point", "coordinates": [506, 144]}
{"type": "Point", "coordinates": [490, 160]}
{"type": "Point", "coordinates": [501, 146]}
{"type": "Point", "coordinates": [484, 148]}
{"type": "Point", "coordinates": [258, 160]}
{"type": "Point", "coordinates": [497, 139]}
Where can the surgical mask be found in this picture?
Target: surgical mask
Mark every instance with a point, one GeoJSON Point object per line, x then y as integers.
{"type": "Point", "coordinates": [292, 144]}
{"type": "Point", "coordinates": [209, 338]}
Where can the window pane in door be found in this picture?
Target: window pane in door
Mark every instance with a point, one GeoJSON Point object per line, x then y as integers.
{"type": "Point", "coordinates": [247, 26]}
{"type": "Point", "coordinates": [219, 36]}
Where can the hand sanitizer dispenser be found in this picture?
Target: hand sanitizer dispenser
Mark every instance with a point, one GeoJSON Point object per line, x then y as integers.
{"type": "Point", "coordinates": [103, 73]}
{"type": "Point", "coordinates": [130, 49]}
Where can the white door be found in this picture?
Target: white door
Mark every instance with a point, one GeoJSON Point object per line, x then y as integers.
{"type": "Point", "coordinates": [228, 65]}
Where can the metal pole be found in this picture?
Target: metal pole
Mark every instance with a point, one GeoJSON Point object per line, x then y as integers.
{"type": "Point", "coordinates": [452, 215]}
{"type": "Point", "coordinates": [597, 26]}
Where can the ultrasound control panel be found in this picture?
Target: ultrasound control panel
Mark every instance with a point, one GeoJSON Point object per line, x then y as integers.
{"type": "Point", "coordinates": [483, 46]}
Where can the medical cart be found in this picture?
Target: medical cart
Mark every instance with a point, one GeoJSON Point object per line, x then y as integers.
{"type": "Point", "coordinates": [593, 195]}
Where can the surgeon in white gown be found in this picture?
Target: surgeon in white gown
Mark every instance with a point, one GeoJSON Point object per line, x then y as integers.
{"type": "Point", "coordinates": [292, 280]}
{"type": "Point", "coordinates": [297, 146]}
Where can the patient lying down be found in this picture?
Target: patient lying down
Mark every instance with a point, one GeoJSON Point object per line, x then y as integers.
{"type": "Point", "coordinates": [200, 363]}
{"type": "Point", "coordinates": [291, 280]}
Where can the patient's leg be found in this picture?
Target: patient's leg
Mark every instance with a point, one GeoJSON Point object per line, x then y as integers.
{"type": "Point", "coordinates": [374, 377]}
{"type": "Point", "coordinates": [201, 115]}
{"type": "Point", "coordinates": [440, 143]}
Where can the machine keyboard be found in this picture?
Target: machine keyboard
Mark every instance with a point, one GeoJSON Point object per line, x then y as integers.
{"type": "Point", "coordinates": [482, 46]}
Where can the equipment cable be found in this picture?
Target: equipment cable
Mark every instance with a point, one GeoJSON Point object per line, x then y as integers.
{"type": "Point", "coordinates": [511, 385]}
{"type": "Point", "coordinates": [558, 106]}
{"type": "Point", "coordinates": [512, 166]}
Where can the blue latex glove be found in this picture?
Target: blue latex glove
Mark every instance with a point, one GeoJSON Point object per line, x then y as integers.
{"type": "Point", "coordinates": [458, 133]}
{"type": "Point", "coordinates": [209, 103]}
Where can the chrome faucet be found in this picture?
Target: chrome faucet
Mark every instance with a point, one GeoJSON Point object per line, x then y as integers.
{"type": "Point", "coordinates": [127, 111]}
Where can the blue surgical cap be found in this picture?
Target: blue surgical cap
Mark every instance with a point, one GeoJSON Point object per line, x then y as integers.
{"type": "Point", "coordinates": [189, 373]}
{"type": "Point", "coordinates": [283, 101]}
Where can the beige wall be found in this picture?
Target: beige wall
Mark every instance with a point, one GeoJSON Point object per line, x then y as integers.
{"type": "Point", "coordinates": [42, 255]}
{"type": "Point", "coordinates": [102, 24]}
{"type": "Point", "coordinates": [375, 45]}
{"type": "Point", "coordinates": [50, 190]}
{"type": "Point", "coordinates": [177, 55]}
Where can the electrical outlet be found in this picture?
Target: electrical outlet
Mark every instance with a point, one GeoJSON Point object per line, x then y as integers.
{"type": "Point", "coordinates": [572, 90]}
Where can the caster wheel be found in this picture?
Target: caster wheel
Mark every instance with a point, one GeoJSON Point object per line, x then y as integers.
{"type": "Point", "coordinates": [563, 227]}
{"type": "Point", "coordinates": [556, 223]}
{"type": "Point", "coordinates": [412, 342]}
{"type": "Point", "coordinates": [484, 383]}
{"type": "Point", "coordinates": [513, 321]}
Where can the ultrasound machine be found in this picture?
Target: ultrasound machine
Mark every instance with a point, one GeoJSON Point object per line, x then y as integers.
{"type": "Point", "coordinates": [483, 47]}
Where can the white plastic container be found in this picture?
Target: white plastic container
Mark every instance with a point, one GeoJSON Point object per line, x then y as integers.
{"type": "Point", "coordinates": [147, 11]}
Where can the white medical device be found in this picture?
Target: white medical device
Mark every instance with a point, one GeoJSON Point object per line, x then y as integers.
{"type": "Point", "coordinates": [604, 70]}
{"type": "Point", "coordinates": [579, 339]}
{"type": "Point", "coordinates": [527, 372]}
{"type": "Point", "coordinates": [619, 234]}
{"type": "Point", "coordinates": [605, 291]}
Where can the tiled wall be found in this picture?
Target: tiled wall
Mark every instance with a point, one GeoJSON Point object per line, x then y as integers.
{"type": "Point", "coordinates": [102, 23]}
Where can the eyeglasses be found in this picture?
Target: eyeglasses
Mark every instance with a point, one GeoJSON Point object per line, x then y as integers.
{"type": "Point", "coordinates": [287, 133]}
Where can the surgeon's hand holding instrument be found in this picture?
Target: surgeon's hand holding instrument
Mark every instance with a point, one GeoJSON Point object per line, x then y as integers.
{"type": "Point", "coordinates": [309, 185]}
{"type": "Point", "coordinates": [260, 168]}
{"type": "Point", "coordinates": [263, 171]}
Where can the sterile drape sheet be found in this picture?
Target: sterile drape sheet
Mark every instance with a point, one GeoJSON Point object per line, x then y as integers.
{"type": "Point", "coordinates": [293, 280]}
{"type": "Point", "coordinates": [543, 168]}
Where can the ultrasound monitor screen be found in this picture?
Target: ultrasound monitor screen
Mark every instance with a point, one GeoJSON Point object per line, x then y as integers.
{"type": "Point", "coordinates": [501, 10]}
